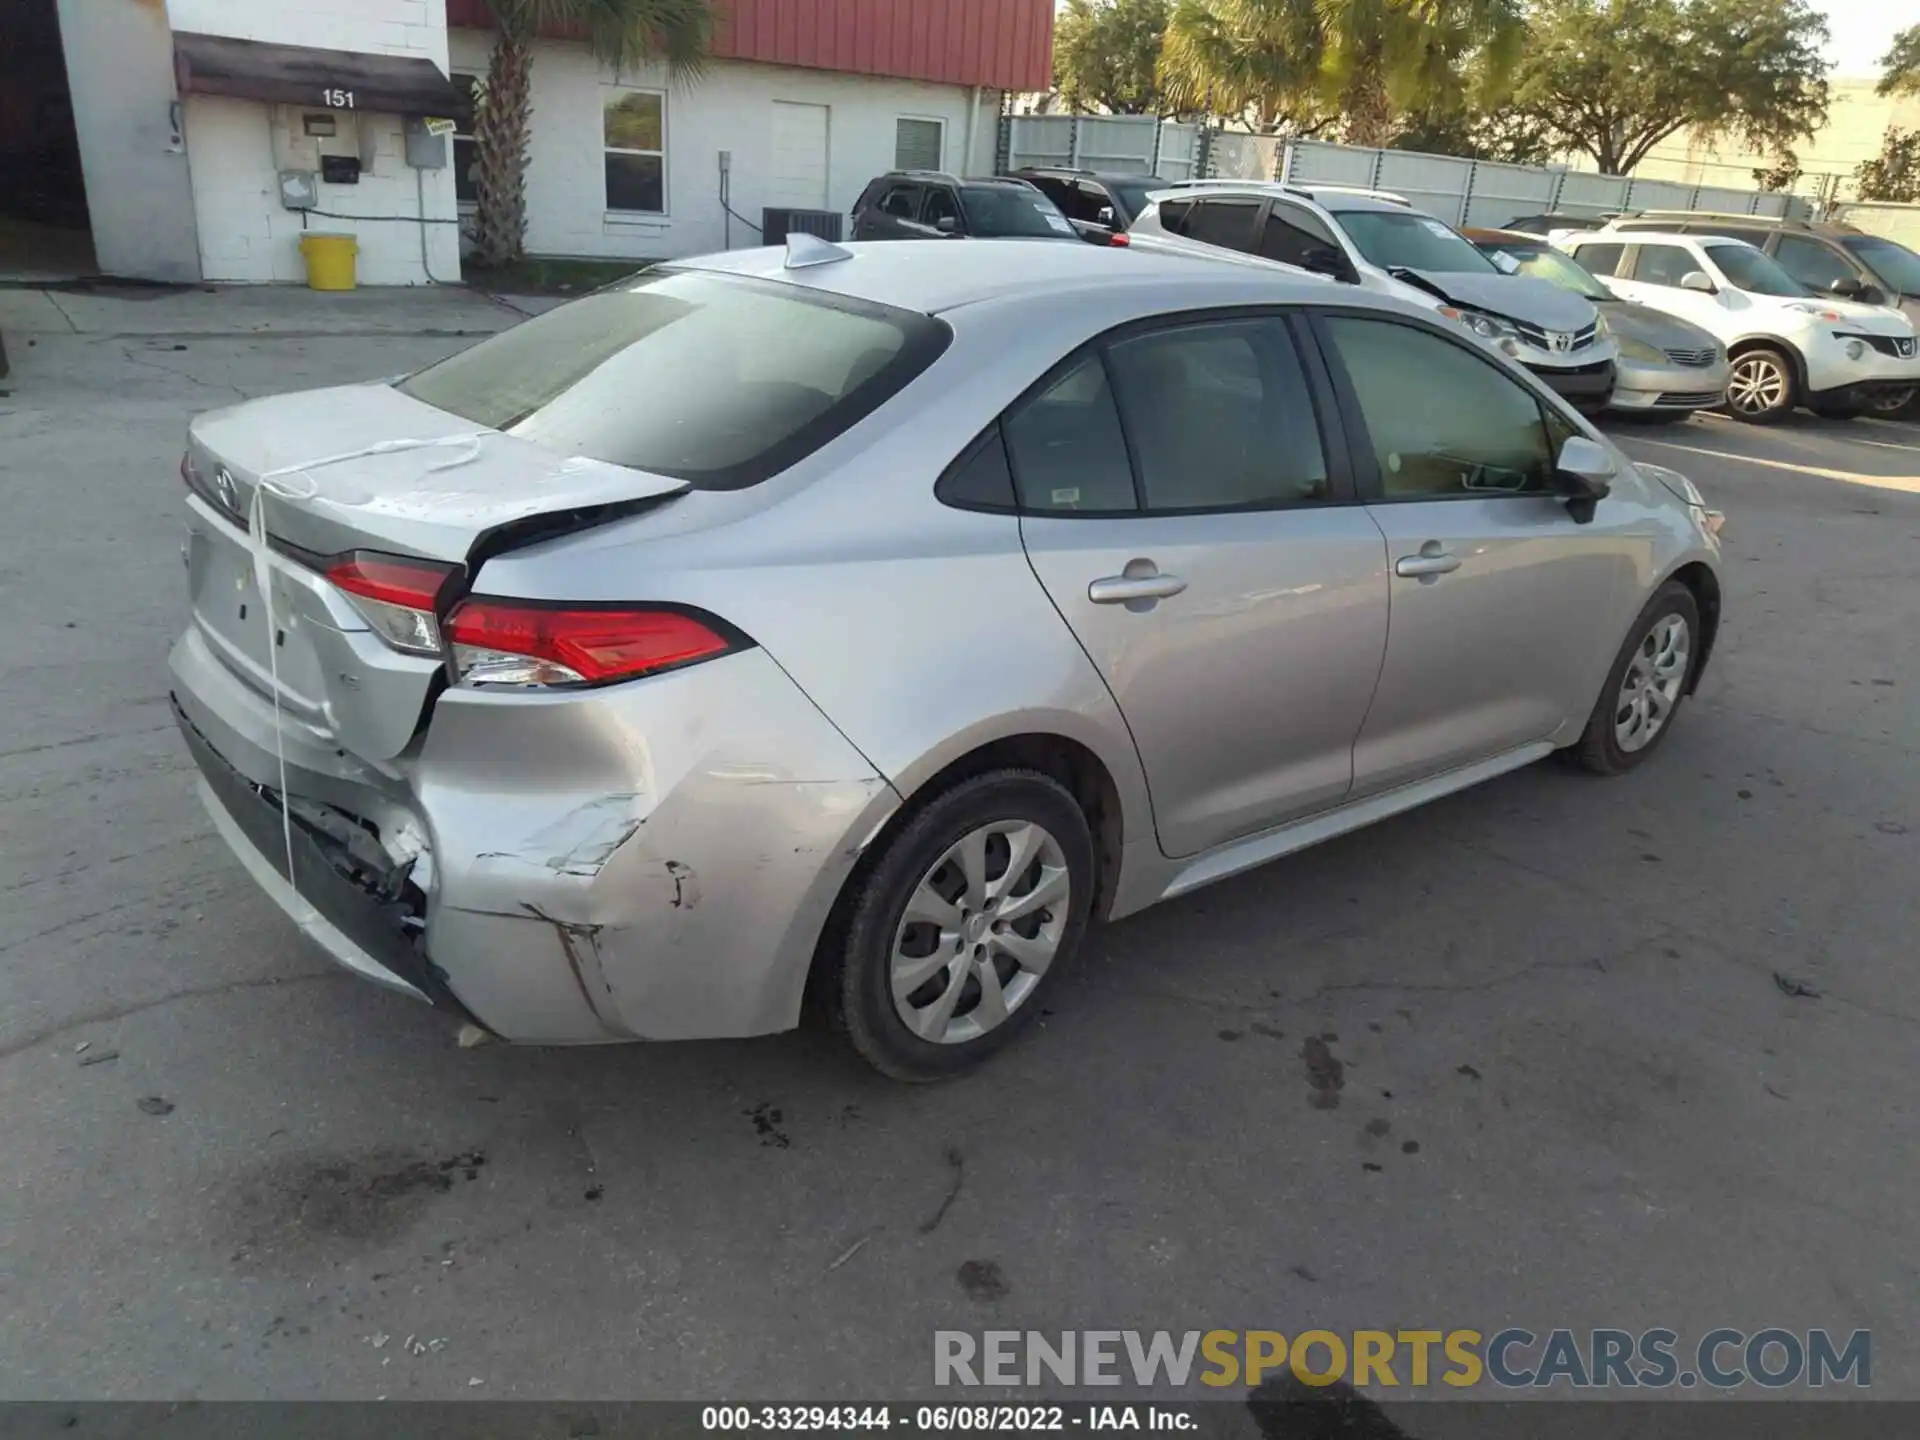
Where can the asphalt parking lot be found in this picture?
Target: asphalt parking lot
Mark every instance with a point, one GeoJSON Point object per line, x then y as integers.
{"type": "Point", "coordinates": [1525, 1057]}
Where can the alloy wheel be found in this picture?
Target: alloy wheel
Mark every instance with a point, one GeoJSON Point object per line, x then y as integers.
{"type": "Point", "coordinates": [1887, 402]}
{"type": "Point", "coordinates": [979, 931]}
{"type": "Point", "coordinates": [1651, 688]}
{"type": "Point", "coordinates": [1757, 385]}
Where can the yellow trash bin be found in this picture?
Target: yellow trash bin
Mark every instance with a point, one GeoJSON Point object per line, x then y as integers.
{"type": "Point", "coordinates": [329, 260]}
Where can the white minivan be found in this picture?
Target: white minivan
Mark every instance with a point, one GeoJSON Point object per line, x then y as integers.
{"type": "Point", "coordinates": [1788, 345]}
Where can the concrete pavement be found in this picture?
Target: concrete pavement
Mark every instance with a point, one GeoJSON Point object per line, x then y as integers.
{"type": "Point", "coordinates": [1568, 1087]}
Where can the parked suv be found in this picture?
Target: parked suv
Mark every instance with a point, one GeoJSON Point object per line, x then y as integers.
{"type": "Point", "coordinates": [1836, 260]}
{"type": "Point", "coordinates": [1788, 345]}
{"type": "Point", "coordinates": [1379, 242]}
{"type": "Point", "coordinates": [932, 205]}
{"type": "Point", "coordinates": [1098, 206]}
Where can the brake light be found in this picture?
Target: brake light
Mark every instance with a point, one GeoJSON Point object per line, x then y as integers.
{"type": "Point", "coordinates": [396, 594]}
{"type": "Point", "coordinates": [530, 642]}
{"type": "Point", "coordinates": [1118, 240]}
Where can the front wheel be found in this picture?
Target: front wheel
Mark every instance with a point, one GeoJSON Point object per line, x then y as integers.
{"type": "Point", "coordinates": [1760, 387]}
{"type": "Point", "coordinates": [1645, 686]}
{"type": "Point", "coordinates": [970, 910]}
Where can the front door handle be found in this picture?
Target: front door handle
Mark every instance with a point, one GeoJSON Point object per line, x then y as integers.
{"type": "Point", "coordinates": [1427, 562]}
{"type": "Point", "coordinates": [1120, 589]}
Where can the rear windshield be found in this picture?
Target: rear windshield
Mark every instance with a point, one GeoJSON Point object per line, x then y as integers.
{"type": "Point", "coordinates": [1006, 210]}
{"type": "Point", "coordinates": [717, 380]}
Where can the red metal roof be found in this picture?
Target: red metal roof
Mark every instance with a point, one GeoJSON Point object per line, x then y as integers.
{"type": "Point", "coordinates": [1006, 44]}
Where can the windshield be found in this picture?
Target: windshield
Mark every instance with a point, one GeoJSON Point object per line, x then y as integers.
{"type": "Point", "coordinates": [1008, 210]}
{"type": "Point", "coordinates": [1390, 238]}
{"type": "Point", "coordinates": [1895, 264]}
{"type": "Point", "coordinates": [712, 379]}
{"type": "Point", "coordinates": [1751, 271]}
{"type": "Point", "coordinates": [1545, 263]}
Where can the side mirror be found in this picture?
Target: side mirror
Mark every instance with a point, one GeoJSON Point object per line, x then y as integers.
{"type": "Point", "coordinates": [1104, 217]}
{"type": "Point", "coordinates": [1325, 260]}
{"type": "Point", "coordinates": [1585, 474]}
{"type": "Point", "coordinates": [1847, 287]}
{"type": "Point", "coordinates": [1697, 280]}
{"type": "Point", "coordinates": [946, 225]}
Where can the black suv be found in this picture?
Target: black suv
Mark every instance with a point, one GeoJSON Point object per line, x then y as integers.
{"type": "Point", "coordinates": [932, 205]}
{"type": "Point", "coordinates": [1098, 205]}
{"type": "Point", "coordinates": [1833, 259]}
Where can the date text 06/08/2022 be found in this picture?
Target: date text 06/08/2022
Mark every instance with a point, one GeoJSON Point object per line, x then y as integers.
{"type": "Point", "coordinates": [942, 1418]}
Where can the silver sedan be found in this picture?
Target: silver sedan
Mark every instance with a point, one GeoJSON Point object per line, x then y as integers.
{"type": "Point", "coordinates": [1665, 365]}
{"type": "Point", "coordinates": [867, 621]}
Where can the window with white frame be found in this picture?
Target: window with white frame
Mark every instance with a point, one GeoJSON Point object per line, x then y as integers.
{"type": "Point", "coordinates": [634, 133]}
{"type": "Point", "coordinates": [918, 144]}
{"type": "Point", "coordinates": [466, 150]}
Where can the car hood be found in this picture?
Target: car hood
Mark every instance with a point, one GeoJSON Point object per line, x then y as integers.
{"type": "Point", "coordinates": [1630, 321]}
{"type": "Point", "coordinates": [1517, 297]}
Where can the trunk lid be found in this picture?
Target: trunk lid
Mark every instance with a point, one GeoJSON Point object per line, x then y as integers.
{"type": "Point", "coordinates": [361, 468]}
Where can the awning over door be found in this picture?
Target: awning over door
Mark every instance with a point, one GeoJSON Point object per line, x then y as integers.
{"type": "Point", "coordinates": [318, 79]}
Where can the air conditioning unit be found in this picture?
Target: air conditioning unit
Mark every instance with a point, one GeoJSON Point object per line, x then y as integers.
{"type": "Point", "coordinates": [777, 224]}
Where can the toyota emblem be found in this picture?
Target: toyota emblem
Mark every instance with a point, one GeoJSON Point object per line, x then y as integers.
{"type": "Point", "coordinates": [1562, 341]}
{"type": "Point", "coordinates": [224, 487]}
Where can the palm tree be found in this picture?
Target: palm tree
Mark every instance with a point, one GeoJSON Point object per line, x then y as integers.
{"type": "Point", "coordinates": [1385, 58]}
{"type": "Point", "coordinates": [620, 32]}
{"type": "Point", "coordinates": [1257, 60]}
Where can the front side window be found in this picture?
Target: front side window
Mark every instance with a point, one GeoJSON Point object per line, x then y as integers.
{"type": "Point", "coordinates": [939, 206]}
{"type": "Point", "coordinates": [918, 144]}
{"type": "Point", "coordinates": [1753, 272]}
{"type": "Point", "coordinates": [713, 379]}
{"type": "Point", "coordinates": [466, 149]}
{"type": "Point", "coordinates": [902, 202]}
{"type": "Point", "coordinates": [1442, 421]}
{"type": "Point", "coordinates": [1295, 237]}
{"type": "Point", "coordinates": [1226, 222]}
{"type": "Point", "coordinates": [1220, 417]}
{"type": "Point", "coordinates": [1893, 263]}
{"type": "Point", "coordinates": [1065, 444]}
{"type": "Point", "coordinates": [1812, 263]}
{"type": "Point", "coordinates": [1600, 259]}
{"type": "Point", "coordinates": [1404, 240]}
{"type": "Point", "coordinates": [633, 131]}
{"type": "Point", "coordinates": [1663, 264]}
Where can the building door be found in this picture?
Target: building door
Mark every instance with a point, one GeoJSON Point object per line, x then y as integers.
{"type": "Point", "coordinates": [797, 171]}
{"type": "Point", "coordinates": [139, 196]}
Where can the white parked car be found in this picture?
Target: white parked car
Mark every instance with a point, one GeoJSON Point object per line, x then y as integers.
{"type": "Point", "coordinates": [1377, 241]}
{"type": "Point", "coordinates": [1788, 345]}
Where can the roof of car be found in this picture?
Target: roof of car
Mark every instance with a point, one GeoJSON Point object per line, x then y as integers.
{"type": "Point", "coordinates": [1657, 237]}
{"type": "Point", "coordinates": [1829, 229]}
{"type": "Point", "coordinates": [1005, 182]}
{"type": "Point", "coordinates": [1065, 172]}
{"type": "Point", "coordinates": [935, 278]}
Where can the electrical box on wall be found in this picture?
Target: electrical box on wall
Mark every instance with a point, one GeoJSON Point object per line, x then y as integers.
{"type": "Point", "coordinates": [426, 146]}
{"type": "Point", "coordinates": [299, 189]}
{"type": "Point", "coordinates": [340, 169]}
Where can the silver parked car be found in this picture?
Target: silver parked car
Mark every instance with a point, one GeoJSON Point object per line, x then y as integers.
{"type": "Point", "coordinates": [1665, 367]}
{"type": "Point", "coordinates": [870, 620]}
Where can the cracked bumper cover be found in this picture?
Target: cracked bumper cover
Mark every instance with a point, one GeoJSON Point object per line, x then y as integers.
{"type": "Point", "coordinates": [648, 861]}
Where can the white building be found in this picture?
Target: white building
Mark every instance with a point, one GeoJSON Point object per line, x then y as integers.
{"type": "Point", "coordinates": [214, 133]}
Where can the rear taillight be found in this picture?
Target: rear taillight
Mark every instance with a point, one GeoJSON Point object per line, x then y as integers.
{"type": "Point", "coordinates": [1118, 240]}
{"type": "Point", "coordinates": [527, 642]}
{"type": "Point", "coordinates": [396, 594]}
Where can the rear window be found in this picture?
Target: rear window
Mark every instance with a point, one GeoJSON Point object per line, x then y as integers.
{"type": "Point", "coordinates": [717, 380]}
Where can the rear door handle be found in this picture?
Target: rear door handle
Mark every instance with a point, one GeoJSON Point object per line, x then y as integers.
{"type": "Point", "coordinates": [1426, 563]}
{"type": "Point", "coordinates": [1119, 589]}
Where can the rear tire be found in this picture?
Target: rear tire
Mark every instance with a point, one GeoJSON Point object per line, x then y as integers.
{"type": "Point", "coordinates": [1762, 387]}
{"type": "Point", "coordinates": [1644, 686]}
{"type": "Point", "coordinates": [959, 927]}
{"type": "Point", "coordinates": [1838, 412]}
{"type": "Point", "coordinates": [1895, 406]}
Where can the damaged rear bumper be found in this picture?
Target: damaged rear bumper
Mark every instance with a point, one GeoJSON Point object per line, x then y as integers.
{"type": "Point", "coordinates": [647, 861]}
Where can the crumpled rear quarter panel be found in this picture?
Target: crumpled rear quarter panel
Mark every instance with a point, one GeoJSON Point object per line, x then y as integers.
{"type": "Point", "coordinates": [651, 860]}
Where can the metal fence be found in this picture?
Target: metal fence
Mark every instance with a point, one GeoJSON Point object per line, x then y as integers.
{"type": "Point", "coordinates": [1128, 144]}
{"type": "Point", "coordinates": [1883, 218]}
{"type": "Point", "coordinates": [1484, 192]}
